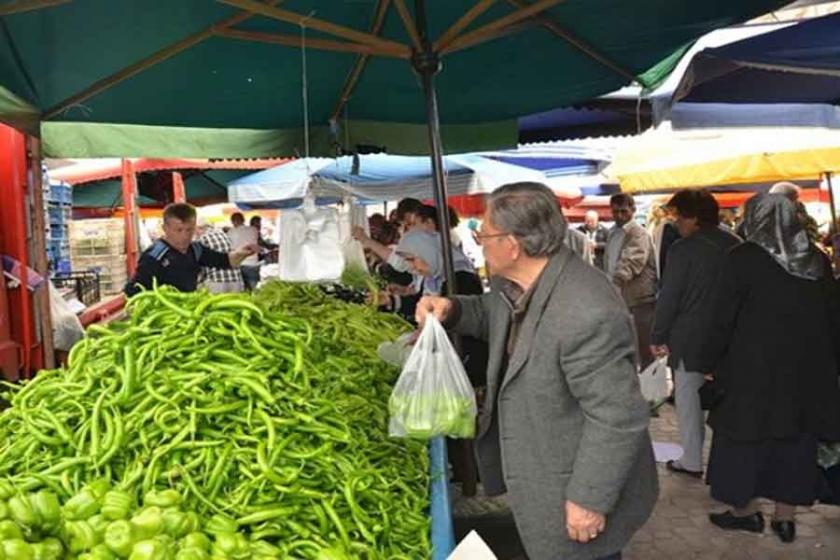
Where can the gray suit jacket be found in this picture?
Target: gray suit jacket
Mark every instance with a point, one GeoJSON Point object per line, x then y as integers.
{"type": "Point", "coordinates": [686, 302]}
{"type": "Point", "coordinates": [571, 421]}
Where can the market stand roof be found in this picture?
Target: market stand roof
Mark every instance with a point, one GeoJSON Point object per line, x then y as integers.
{"type": "Point", "coordinates": [111, 78]}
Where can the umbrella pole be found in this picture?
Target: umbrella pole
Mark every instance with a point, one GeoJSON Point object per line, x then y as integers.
{"type": "Point", "coordinates": [427, 64]}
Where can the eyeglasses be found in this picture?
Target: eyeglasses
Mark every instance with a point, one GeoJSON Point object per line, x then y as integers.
{"type": "Point", "coordinates": [480, 237]}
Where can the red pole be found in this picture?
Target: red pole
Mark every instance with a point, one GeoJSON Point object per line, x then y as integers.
{"type": "Point", "coordinates": [129, 196]}
{"type": "Point", "coordinates": [179, 193]}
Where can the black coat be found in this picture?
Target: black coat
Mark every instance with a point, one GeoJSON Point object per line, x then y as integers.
{"type": "Point", "coordinates": [773, 346]}
{"type": "Point", "coordinates": [687, 294]}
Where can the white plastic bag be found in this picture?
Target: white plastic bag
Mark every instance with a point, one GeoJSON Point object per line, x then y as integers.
{"type": "Point", "coordinates": [654, 381]}
{"type": "Point", "coordinates": [433, 395]}
{"type": "Point", "coordinates": [67, 329]}
{"type": "Point", "coordinates": [310, 250]}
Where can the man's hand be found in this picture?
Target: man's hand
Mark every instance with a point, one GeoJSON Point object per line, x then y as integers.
{"type": "Point", "coordinates": [582, 524]}
{"type": "Point", "coordinates": [236, 257]}
{"type": "Point", "coordinates": [660, 350]}
{"type": "Point", "coordinates": [439, 307]}
{"type": "Point", "coordinates": [358, 233]}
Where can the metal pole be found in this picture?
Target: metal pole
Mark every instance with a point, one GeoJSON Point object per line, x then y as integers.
{"type": "Point", "coordinates": [427, 64]}
{"type": "Point", "coordinates": [833, 204]}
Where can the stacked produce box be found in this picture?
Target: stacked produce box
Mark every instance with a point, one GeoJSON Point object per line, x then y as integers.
{"type": "Point", "coordinates": [99, 245]}
{"type": "Point", "coordinates": [58, 207]}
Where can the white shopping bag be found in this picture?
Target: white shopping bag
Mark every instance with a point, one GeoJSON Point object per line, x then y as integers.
{"type": "Point", "coordinates": [433, 395]}
{"type": "Point", "coordinates": [654, 381]}
{"type": "Point", "coordinates": [472, 547]}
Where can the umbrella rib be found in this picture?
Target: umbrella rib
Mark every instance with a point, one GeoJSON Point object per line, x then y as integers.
{"type": "Point", "coordinates": [318, 24]}
{"type": "Point", "coordinates": [463, 22]}
{"type": "Point", "coordinates": [19, 6]}
{"type": "Point", "coordinates": [322, 44]}
{"type": "Point", "coordinates": [408, 23]}
{"type": "Point", "coordinates": [361, 61]}
{"type": "Point", "coordinates": [577, 43]}
{"type": "Point", "coordinates": [499, 27]}
{"type": "Point", "coordinates": [146, 63]}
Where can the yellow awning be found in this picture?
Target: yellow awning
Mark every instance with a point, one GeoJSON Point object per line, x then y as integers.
{"type": "Point", "coordinates": [673, 160]}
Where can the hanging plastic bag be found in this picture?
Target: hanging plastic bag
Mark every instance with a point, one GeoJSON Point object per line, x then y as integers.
{"type": "Point", "coordinates": [654, 381]}
{"type": "Point", "coordinates": [433, 395]}
{"type": "Point", "coordinates": [67, 329]}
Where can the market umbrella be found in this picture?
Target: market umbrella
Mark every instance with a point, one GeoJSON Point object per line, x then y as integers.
{"type": "Point", "coordinates": [83, 66]}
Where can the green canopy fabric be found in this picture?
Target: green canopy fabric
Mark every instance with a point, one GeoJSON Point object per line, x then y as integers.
{"type": "Point", "coordinates": [49, 55]}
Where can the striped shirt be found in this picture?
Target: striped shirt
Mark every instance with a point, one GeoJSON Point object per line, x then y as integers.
{"type": "Point", "coordinates": [218, 240]}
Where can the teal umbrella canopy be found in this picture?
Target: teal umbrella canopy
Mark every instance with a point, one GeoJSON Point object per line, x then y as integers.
{"type": "Point", "coordinates": [207, 78]}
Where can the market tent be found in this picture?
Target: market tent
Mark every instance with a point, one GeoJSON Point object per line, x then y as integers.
{"type": "Point", "coordinates": [663, 159]}
{"type": "Point", "coordinates": [284, 186]}
{"type": "Point", "coordinates": [235, 66]}
{"type": "Point", "coordinates": [796, 64]}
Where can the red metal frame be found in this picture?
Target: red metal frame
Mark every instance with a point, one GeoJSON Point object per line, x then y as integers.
{"type": "Point", "coordinates": [14, 241]}
{"type": "Point", "coordinates": [179, 192]}
{"type": "Point", "coordinates": [129, 194]}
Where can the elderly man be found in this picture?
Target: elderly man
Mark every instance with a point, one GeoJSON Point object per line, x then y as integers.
{"type": "Point", "coordinates": [564, 427]}
{"type": "Point", "coordinates": [217, 280]}
{"type": "Point", "coordinates": [631, 264]}
{"type": "Point", "coordinates": [597, 235]}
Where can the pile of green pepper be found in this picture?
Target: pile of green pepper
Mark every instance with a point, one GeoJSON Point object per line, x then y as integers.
{"type": "Point", "coordinates": [266, 416]}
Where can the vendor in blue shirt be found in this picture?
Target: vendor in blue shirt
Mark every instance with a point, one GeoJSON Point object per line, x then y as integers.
{"type": "Point", "coordinates": [175, 259]}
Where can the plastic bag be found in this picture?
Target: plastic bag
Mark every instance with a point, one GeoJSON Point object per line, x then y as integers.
{"type": "Point", "coordinates": [67, 329]}
{"type": "Point", "coordinates": [433, 395]}
{"type": "Point", "coordinates": [654, 381]}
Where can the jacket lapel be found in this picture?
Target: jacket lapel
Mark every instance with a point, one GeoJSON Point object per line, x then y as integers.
{"type": "Point", "coordinates": [534, 313]}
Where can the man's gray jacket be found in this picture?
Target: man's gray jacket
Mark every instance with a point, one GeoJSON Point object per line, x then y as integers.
{"type": "Point", "coordinates": [568, 421]}
{"type": "Point", "coordinates": [686, 302]}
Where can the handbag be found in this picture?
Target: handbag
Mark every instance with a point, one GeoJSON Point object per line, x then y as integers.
{"type": "Point", "coordinates": [711, 394]}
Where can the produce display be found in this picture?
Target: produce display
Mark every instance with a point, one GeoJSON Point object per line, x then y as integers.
{"type": "Point", "coordinates": [225, 426]}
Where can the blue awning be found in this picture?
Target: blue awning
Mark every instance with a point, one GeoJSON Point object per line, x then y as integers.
{"type": "Point", "coordinates": [796, 64]}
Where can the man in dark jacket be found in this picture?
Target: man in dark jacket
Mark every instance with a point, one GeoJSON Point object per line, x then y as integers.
{"type": "Point", "coordinates": [683, 316]}
{"type": "Point", "coordinates": [564, 427]}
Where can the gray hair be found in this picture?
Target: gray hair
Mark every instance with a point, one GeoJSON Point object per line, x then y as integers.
{"type": "Point", "coordinates": [790, 190]}
{"type": "Point", "coordinates": [530, 213]}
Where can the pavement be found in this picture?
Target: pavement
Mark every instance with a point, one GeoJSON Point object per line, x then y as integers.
{"type": "Point", "coordinates": [679, 527]}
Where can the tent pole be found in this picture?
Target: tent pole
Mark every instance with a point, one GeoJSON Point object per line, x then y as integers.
{"type": "Point", "coordinates": [832, 229]}
{"type": "Point", "coordinates": [427, 64]}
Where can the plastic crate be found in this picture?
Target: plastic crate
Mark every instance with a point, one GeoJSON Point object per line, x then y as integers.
{"type": "Point", "coordinates": [109, 267]}
{"type": "Point", "coordinates": [97, 246]}
{"type": "Point", "coordinates": [85, 284]}
{"type": "Point", "coordinates": [63, 265]}
{"type": "Point", "coordinates": [98, 228]}
{"type": "Point", "coordinates": [59, 231]}
{"type": "Point", "coordinates": [60, 193]}
{"type": "Point", "coordinates": [61, 247]}
{"type": "Point", "coordinates": [111, 286]}
{"type": "Point", "coordinates": [59, 214]}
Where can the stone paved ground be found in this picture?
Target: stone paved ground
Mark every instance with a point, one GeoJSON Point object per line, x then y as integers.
{"type": "Point", "coordinates": [679, 527]}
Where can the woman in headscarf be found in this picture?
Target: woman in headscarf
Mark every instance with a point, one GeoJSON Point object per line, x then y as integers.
{"type": "Point", "coordinates": [773, 352]}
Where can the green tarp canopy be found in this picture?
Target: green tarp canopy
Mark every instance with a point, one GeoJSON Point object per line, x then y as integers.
{"type": "Point", "coordinates": [179, 71]}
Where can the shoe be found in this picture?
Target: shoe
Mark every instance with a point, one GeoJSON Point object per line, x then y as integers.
{"type": "Point", "coordinates": [786, 530]}
{"type": "Point", "coordinates": [673, 466]}
{"type": "Point", "coordinates": [727, 520]}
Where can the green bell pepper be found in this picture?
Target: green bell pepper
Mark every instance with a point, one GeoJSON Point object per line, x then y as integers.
{"type": "Point", "coordinates": [220, 524]}
{"type": "Point", "coordinates": [83, 505]}
{"type": "Point", "coordinates": [101, 552]}
{"type": "Point", "coordinates": [6, 490]}
{"type": "Point", "coordinates": [4, 510]}
{"type": "Point", "coordinates": [162, 498]}
{"type": "Point", "coordinates": [46, 507]}
{"type": "Point", "coordinates": [148, 522]}
{"type": "Point", "coordinates": [231, 545]}
{"type": "Point", "coordinates": [178, 524]}
{"type": "Point", "coordinates": [18, 549]}
{"type": "Point", "coordinates": [48, 549]}
{"type": "Point", "coordinates": [22, 512]}
{"type": "Point", "coordinates": [116, 504]}
{"type": "Point", "coordinates": [80, 535]}
{"type": "Point", "coordinates": [154, 549]}
{"type": "Point", "coordinates": [196, 540]}
{"type": "Point", "coordinates": [192, 553]}
{"type": "Point", "coordinates": [10, 530]}
{"type": "Point", "coordinates": [119, 537]}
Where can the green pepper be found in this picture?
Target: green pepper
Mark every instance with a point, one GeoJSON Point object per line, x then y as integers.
{"type": "Point", "coordinates": [116, 505]}
{"type": "Point", "coordinates": [333, 554]}
{"type": "Point", "coordinates": [154, 549]}
{"type": "Point", "coordinates": [260, 547]}
{"type": "Point", "coordinates": [48, 549]}
{"type": "Point", "coordinates": [80, 535]}
{"type": "Point", "coordinates": [22, 512]}
{"type": "Point", "coordinates": [47, 508]}
{"type": "Point", "coordinates": [9, 530]}
{"type": "Point", "coordinates": [196, 540]}
{"type": "Point", "coordinates": [99, 487]}
{"type": "Point", "coordinates": [119, 537]}
{"type": "Point", "coordinates": [6, 490]}
{"type": "Point", "coordinates": [192, 553]}
{"type": "Point", "coordinates": [4, 510]}
{"type": "Point", "coordinates": [220, 524]}
{"type": "Point", "coordinates": [18, 549]}
{"type": "Point", "coordinates": [99, 524]}
{"type": "Point", "coordinates": [101, 552]}
{"type": "Point", "coordinates": [148, 522]}
{"type": "Point", "coordinates": [163, 498]}
{"type": "Point", "coordinates": [83, 505]}
{"type": "Point", "coordinates": [177, 523]}
{"type": "Point", "coordinates": [231, 544]}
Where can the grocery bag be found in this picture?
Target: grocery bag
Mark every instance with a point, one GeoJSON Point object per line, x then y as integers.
{"type": "Point", "coordinates": [433, 395]}
{"type": "Point", "coordinates": [654, 381]}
